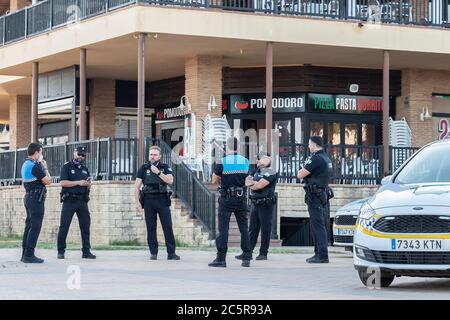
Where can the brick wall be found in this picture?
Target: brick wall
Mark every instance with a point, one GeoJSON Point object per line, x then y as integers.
{"type": "Point", "coordinates": [103, 110]}
{"type": "Point", "coordinates": [18, 4]}
{"type": "Point", "coordinates": [20, 121]}
{"type": "Point", "coordinates": [112, 213]}
{"type": "Point", "coordinates": [418, 86]}
{"type": "Point", "coordinates": [203, 79]}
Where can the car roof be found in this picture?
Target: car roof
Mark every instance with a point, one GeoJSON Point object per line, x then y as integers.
{"type": "Point", "coordinates": [444, 141]}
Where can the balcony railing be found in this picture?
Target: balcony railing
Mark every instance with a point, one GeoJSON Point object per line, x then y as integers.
{"type": "Point", "coordinates": [51, 14]}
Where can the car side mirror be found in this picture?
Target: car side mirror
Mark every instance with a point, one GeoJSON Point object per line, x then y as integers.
{"type": "Point", "coordinates": [386, 180]}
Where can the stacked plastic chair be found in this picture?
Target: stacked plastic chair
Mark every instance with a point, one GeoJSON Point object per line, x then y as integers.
{"type": "Point", "coordinates": [399, 137]}
{"type": "Point", "coordinates": [215, 132]}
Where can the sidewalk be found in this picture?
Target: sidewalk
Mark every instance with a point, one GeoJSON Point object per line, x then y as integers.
{"type": "Point", "coordinates": [131, 275]}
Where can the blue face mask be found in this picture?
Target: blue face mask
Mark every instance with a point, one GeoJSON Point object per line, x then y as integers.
{"type": "Point", "coordinates": [77, 162]}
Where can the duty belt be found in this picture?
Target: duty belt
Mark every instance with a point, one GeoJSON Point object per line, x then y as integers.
{"type": "Point", "coordinates": [232, 192]}
{"type": "Point", "coordinates": [67, 196]}
{"type": "Point", "coordinates": [264, 201]}
{"type": "Point", "coordinates": [37, 194]}
{"type": "Point", "coordinates": [312, 188]}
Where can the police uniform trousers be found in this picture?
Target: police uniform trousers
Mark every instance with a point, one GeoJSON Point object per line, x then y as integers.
{"type": "Point", "coordinates": [33, 223]}
{"type": "Point", "coordinates": [155, 205]}
{"type": "Point", "coordinates": [261, 219]}
{"type": "Point", "coordinates": [69, 208]}
{"type": "Point", "coordinates": [227, 206]}
{"type": "Point", "coordinates": [318, 226]}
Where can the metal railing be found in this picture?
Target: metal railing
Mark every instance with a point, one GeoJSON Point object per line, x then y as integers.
{"type": "Point", "coordinates": [398, 155]}
{"type": "Point", "coordinates": [108, 159]}
{"type": "Point", "coordinates": [351, 164]}
{"type": "Point", "coordinates": [191, 190]}
{"type": "Point", "coordinates": [51, 14]}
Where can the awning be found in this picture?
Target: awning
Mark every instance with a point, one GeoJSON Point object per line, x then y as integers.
{"type": "Point", "coordinates": [57, 106]}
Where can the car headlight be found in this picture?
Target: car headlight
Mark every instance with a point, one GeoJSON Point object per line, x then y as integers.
{"type": "Point", "coordinates": [366, 212]}
{"type": "Point", "coordinates": [366, 217]}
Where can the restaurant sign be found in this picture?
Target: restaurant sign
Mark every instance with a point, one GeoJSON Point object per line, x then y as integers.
{"type": "Point", "coordinates": [170, 112]}
{"type": "Point", "coordinates": [256, 103]}
{"type": "Point", "coordinates": [327, 103]}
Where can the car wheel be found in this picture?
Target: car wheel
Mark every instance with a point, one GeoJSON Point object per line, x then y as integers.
{"type": "Point", "coordinates": [385, 281]}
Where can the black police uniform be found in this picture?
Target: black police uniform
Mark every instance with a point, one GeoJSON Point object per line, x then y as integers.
{"type": "Point", "coordinates": [233, 171]}
{"type": "Point", "coordinates": [156, 201]}
{"type": "Point", "coordinates": [35, 193]}
{"type": "Point", "coordinates": [75, 200]}
{"type": "Point", "coordinates": [263, 203]}
{"type": "Point", "coordinates": [316, 197]}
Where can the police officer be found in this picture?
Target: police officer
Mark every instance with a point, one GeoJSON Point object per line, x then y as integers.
{"type": "Point", "coordinates": [231, 172]}
{"type": "Point", "coordinates": [35, 178]}
{"type": "Point", "coordinates": [75, 181]}
{"type": "Point", "coordinates": [316, 175]}
{"type": "Point", "coordinates": [154, 198]}
{"type": "Point", "coordinates": [262, 195]}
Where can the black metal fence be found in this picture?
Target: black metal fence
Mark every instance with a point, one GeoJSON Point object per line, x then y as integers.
{"type": "Point", "coordinates": [398, 155]}
{"type": "Point", "coordinates": [351, 164]}
{"type": "Point", "coordinates": [108, 159]}
{"type": "Point", "coordinates": [51, 14]}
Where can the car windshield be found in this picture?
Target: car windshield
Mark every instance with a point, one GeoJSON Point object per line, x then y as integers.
{"type": "Point", "coordinates": [430, 165]}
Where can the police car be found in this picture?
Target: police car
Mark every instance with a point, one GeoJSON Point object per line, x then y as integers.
{"type": "Point", "coordinates": [344, 224]}
{"type": "Point", "coordinates": [404, 229]}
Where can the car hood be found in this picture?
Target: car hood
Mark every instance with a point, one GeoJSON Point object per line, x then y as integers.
{"type": "Point", "coordinates": [398, 195]}
{"type": "Point", "coordinates": [351, 208]}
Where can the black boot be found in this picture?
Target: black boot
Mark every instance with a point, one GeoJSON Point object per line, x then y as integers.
{"type": "Point", "coordinates": [173, 256]}
{"type": "Point", "coordinates": [60, 255]}
{"type": "Point", "coordinates": [88, 255]}
{"type": "Point", "coordinates": [32, 259]}
{"type": "Point", "coordinates": [218, 262]}
{"type": "Point", "coordinates": [261, 257]}
{"type": "Point", "coordinates": [245, 263]}
{"type": "Point", "coordinates": [319, 260]}
{"type": "Point", "coordinates": [240, 257]}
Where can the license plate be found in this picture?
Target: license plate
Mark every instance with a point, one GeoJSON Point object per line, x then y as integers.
{"type": "Point", "coordinates": [344, 232]}
{"type": "Point", "coordinates": [417, 244]}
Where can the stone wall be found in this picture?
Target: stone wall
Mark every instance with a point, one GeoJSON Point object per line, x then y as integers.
{"type": "Point", "coordinates": [112, 214]}
{"type": "Point", "coordinates": [291, 198]}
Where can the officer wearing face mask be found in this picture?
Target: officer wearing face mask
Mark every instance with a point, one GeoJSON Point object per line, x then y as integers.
{"type": "Point", "coordinates": [35, 178]}
{"type": "Point", "coordinates": [316, 175]}
{"type": "Point", "coordinates": [262, 185]}
{"type": "Point", "coordinates": [154, 197]}
{"type": "Point", "coordinates": [75, 181]}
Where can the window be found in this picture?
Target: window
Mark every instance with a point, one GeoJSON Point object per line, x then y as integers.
{"type": "Point", "coordinates": [47, 141]}
{"type": "Point", "coordinates": [317, 129]}
{"type": "Point", "coordinates": [298, 130]}
{"type": "Point", "coordinates": [368, 134]}
{"type": "Point", "coordinates": [334, 133]}
{"type": "Point", "coordinates": [429, 165]}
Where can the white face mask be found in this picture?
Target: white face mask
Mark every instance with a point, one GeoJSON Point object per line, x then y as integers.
{"type": "Point", "coordinates": [41, 157]}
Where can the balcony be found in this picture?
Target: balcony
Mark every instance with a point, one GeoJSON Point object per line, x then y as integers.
{"type": "Point", "coordinates": [53, 14]}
